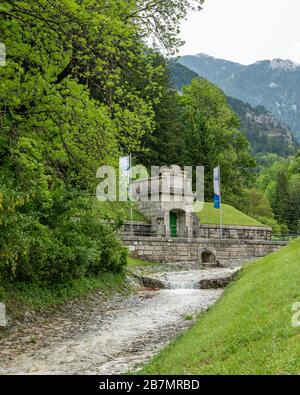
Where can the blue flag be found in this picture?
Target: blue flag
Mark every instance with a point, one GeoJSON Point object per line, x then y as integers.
{"type": "Point", "coordinates": [217, 194]}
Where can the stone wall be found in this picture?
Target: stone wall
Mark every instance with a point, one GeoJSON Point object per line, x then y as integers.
{"type": "Point", "coordinates": [136, 228]}
{"type": "Point", "coordinates": [203, 231]}
{"type": "Point", "coordinates": [233, 232]}
{"type": "Point", "coordinates": [187, 250]}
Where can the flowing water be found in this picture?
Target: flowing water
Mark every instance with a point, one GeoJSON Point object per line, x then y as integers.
{"type": "Point", "coordinates": [190, 279]}
{"type": "Point", "coordinates": [128, 336]}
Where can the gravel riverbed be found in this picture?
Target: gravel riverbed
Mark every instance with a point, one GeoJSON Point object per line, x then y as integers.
{"type": "Point", "coordinates": [115, 337]}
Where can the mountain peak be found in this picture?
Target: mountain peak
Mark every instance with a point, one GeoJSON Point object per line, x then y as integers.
{"type": "Point", "coordinates": [283, 64]}
{"type": "Point", "coordinates": [271, 83]}
{"type": "Point", "coordinates": [204, 55]}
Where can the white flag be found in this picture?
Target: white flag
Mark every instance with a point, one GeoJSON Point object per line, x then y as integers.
{"type": "Point", "coordinates": [124, 164]}
{"type": "Point", "coordinates": [124, 172]}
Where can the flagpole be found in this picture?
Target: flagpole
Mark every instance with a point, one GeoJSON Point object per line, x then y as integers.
{"type": "Point", "coordinates": [129, 174]}
{"type": "Point", "coordinates": [221, 218]}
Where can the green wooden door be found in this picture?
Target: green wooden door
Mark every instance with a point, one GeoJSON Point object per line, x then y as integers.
{"type": "Point", "coordinates": [173, 224]}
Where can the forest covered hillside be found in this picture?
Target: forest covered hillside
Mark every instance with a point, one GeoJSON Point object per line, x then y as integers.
{"type": "Point", "coordinates": [273, 84]}
{"type": "Point", "coordinates": [264, 131]}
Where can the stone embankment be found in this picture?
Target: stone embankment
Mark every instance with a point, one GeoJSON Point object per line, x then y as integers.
{"type": "Point", "coordinates": [187, 250]}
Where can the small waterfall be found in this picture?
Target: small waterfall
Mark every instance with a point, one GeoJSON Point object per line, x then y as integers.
{"type": "Point", "coordinates": [182, 280]}
{"type": "Point", "coordinates": [193, 279]}
{"type": "Point", "coordinates": [181, 285]}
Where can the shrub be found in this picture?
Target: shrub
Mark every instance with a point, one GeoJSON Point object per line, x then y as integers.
{"type": "Point", "coordinates": [272, 223]}
{"type": "Point", "coordinates": [50, 245]}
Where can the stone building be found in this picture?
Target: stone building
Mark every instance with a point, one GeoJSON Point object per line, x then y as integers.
{"type": "Point", "coordinates": [167, 201]}
{"type": "Point", "coordinates": [175, 234]}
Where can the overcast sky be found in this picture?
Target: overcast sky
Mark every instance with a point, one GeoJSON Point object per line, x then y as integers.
{"type": "Point", "coordinates": [244, 30]}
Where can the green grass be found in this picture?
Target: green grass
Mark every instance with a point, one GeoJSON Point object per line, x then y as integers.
{"type": "Point", "coordinates": [19, 298]}
{"type": "Point", "coordinates": [113, 209]}
{"type": "Point", "coordinates": [209, 216]}
{"type": "Point", "coordinates": [133, 262]}
{"type": "Point", "coordinates": [230, 216]}
{"type": "Point", "coordinates": [249, 331]}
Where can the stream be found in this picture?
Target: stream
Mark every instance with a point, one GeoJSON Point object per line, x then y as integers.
{"type": "Point", "coordinates": [126, 336]}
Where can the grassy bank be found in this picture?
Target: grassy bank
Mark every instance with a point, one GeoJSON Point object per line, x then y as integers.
{"type": "Point", "coordinates": [21, 297]}
{"type": "Point", "coordinates": [209, 216]}
{"type": "Point", "coordinates": [249, 331]}
{"type": "Point", "coordinates": [230, 216]}
{"type": "Point", "coordinates": [114, 209]}
{"type": "Point", "coordinates": [133, 262]}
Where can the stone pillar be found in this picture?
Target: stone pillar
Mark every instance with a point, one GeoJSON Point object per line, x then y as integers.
{"type": "Point", "coordinates": [189, 225]}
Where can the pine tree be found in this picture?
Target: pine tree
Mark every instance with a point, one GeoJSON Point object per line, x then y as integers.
{"type": "Point", "coordinates": [284, 205]}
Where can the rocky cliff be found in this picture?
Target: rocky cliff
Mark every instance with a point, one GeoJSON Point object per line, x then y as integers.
{"type": "Point", "coordinates": [265, 132]}
{"type": "Point", "coordinates": [273, 84]}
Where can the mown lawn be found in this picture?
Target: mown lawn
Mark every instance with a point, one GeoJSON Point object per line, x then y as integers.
{"type": "Point", "coordinates": [230, 216]}
{"type": "Point", "coordinates": [249, 331]}
{"type": "Point", "coordinates": [211, 216]}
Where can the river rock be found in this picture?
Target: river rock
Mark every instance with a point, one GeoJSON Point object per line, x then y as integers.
{"type": "Point", "coordinates": [152, 282]}
{"type": "Point", "coordinates": [217, 282]}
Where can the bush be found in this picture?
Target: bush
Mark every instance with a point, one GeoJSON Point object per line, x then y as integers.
{"type": "Point", "coordinates": [50, 245]}
{"type": "Point", "coordinates": [256, 204]}
{"type": "Point", "coordinates": [2, 293]}
{"type": "Point", "coordinates": [272, 223]}
{"type": "Point", "coordinates": [72, 250]}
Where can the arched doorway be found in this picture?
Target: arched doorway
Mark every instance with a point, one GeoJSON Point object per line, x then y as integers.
{"type": "Point", "coordinates": [208, 257]}
{"type": "Point", "coordinates": [173, 224]}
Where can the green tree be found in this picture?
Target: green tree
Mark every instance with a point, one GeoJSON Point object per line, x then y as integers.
{"type": "Point", "coordinates": [165, 145]}
{"type": "Point", "coordinates": [257, 204]}
{"type": "Point", "coordinates": [280, 181]}
{"type": "Point", "coordinates": [79, 86]}
{"type": "Point", "coordinates": [78, 89]}
{"type": "Point", "coordinates": [212, 137]}
{"type": "Point", "coordinates": [294, 207]}
{"type": "Point", "coordinates": [282, 199]}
